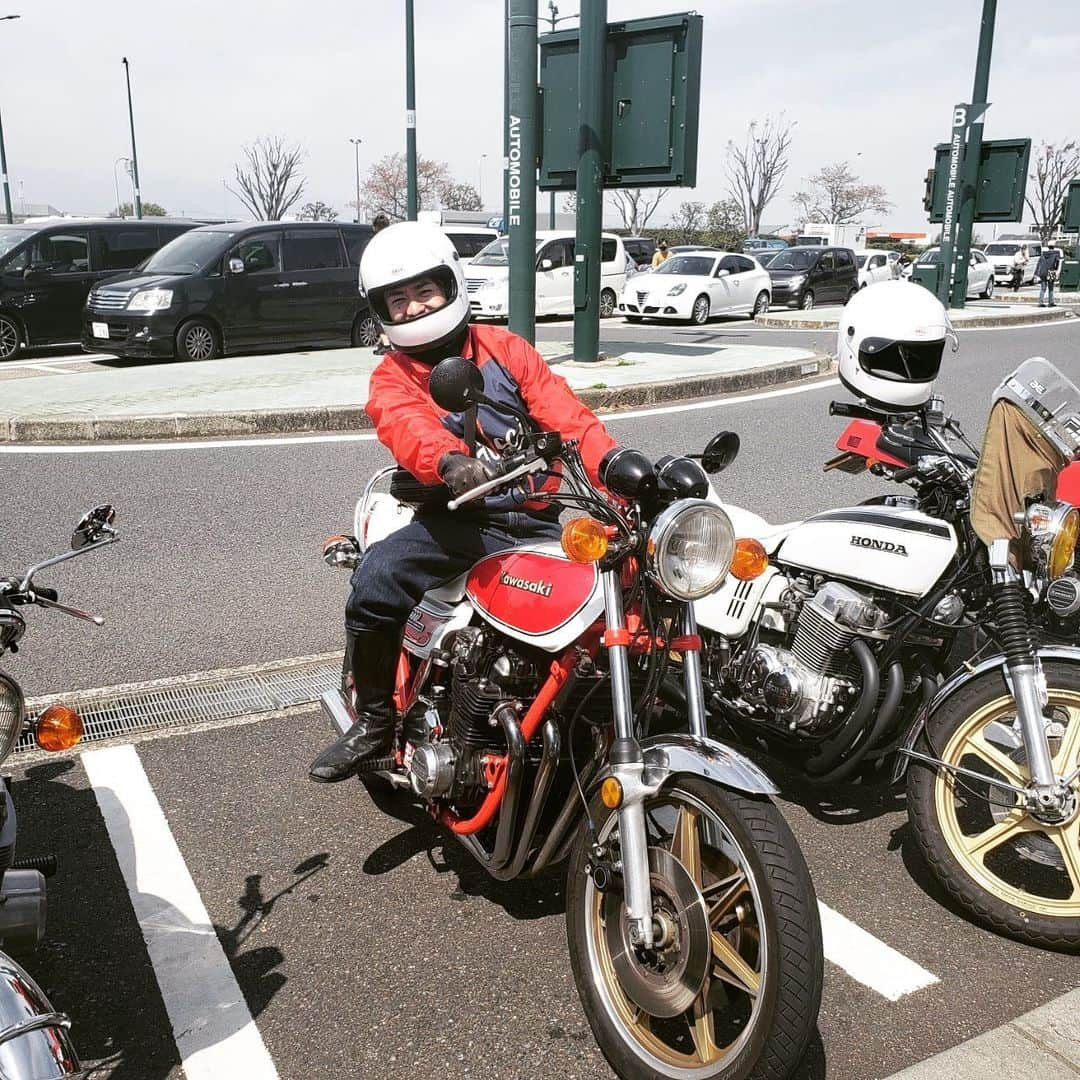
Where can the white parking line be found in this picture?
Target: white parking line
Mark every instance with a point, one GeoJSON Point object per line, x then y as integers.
{"type": "Point", "coordinates": [212, 1027]}
{"type": "Point", "coordinates": [868, 960]}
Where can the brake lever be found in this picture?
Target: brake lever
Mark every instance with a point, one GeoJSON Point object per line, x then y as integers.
{"type": "Point", "coordinates": [77, 613]}
{"type": "Point", "coordinates": [535, 465]}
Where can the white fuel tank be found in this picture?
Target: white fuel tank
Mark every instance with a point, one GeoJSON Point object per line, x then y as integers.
{"type": "Point", "coordinates": [889, 547]}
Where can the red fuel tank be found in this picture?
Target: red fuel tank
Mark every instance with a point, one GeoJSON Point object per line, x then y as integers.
{"type": "Point", "coordinates": [537, 596]}
{"type": "Point", "coordinates": [1068, 484]}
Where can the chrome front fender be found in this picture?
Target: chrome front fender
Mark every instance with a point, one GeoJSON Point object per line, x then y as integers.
{"type": "Point", "coordinates": [34, 1042]}
{"type": "Point", "coordinates": [955, 683]}
{"type": "Point", "coordinates": [667, 756]}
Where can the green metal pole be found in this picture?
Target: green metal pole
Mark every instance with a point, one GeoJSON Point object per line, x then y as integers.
{"type": "Point", "coordinates": [965, 217]}
{"type": "Point", "coordinates": [590, 194]}
{"type": "Point", "coordinates": [410, 114]}
{"type": "Point", "coordinates": [134, 156]}
{"type": "Point", "coordinates": [521, 136]}
{"type": "Point", "coordinates": [3, 170]}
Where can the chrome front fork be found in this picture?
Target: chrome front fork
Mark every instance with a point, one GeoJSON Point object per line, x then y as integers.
{"type": "Point", "coordinates": [628, 767]}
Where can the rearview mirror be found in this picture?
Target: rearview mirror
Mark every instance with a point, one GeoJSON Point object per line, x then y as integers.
{"type": "Point", "coordinates": [236, 266]}
{"type": "Point", "coordinates": [722, 450]}
{"type": "Point", "coordinates": [722, 273]}
{"type": "Point", "coordinates": [92, 526]}
{"type": "Point", "coordinates": [546, 264]}
{"type": "Point", "coordinates": [454, 384]}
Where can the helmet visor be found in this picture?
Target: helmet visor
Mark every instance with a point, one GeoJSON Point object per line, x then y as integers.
{"type": "Point", "coordinates": [443, 276]}
{"type": "Point", "coordinates": [901, 361]}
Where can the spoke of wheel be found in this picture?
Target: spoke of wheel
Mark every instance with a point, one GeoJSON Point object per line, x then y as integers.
{"type": "Point", "coordinates": [1067, 841]}
{"type": "Point", "coordinates": [1014, 824]}
{"type": "Point", "coordinates": [733, 968]}
{"type": "Point", "coordinates": [726, 892]}
{"type": "Point", "coordinates": [686, 844]}
{"type": "Point", "coordinates": [992, 756]}
{"type": "Point", "coordinates": [703, 1027]}
{"type": "Point", "coordinates": [1068, 756]}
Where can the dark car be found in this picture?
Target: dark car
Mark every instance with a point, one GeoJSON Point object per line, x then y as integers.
{"type": "Point", "coordinates": [47, 268]}
{"type": "Point", "coordinates": [226, 288]}
{"type": "Point", "coordinates": [806, 276]}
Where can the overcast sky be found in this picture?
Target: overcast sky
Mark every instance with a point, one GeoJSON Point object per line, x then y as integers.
{"type": "Point", "coordinates": [869, 82]}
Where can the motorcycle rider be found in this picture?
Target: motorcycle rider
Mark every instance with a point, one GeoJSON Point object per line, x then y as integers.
{"type": "Point", "coordinates": [415, 284]}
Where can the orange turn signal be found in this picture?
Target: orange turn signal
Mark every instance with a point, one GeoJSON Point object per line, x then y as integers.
{"type": "Point", "coordinates": [750, 560]}
{"type": "Point", "coordinates": [584, 540]}
{"type": "Point", "coordinates": [58, 728]}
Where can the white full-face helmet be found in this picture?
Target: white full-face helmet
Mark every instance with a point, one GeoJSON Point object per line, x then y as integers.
{"type": "Point", "coordinates": [889, 346]}
{"type": "Point", "coordinates": [405, 252]}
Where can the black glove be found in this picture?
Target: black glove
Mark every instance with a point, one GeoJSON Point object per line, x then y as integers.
{"type": "Point", "coordinates": [462, 473]}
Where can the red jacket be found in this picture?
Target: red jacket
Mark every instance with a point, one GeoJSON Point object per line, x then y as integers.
{"type": "Point", "coordinates": [418, 433]}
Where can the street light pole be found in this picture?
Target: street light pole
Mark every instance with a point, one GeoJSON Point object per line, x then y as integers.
{"type": "Point", "coordinates": [3, 154]}
{"type": "Point", "coordinates": [356, 146]}
{"type": "Point", "coordinates": [480, 190]}
{"type": "Point", "coordinates": [134, 156]}
{"type": "Point", "coordinates": [116, 184]}
{"type": "Point", "coordinates": [410, 112]}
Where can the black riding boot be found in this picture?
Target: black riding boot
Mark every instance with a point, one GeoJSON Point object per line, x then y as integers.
{"type": "Point", "coordinates": [373, 661]}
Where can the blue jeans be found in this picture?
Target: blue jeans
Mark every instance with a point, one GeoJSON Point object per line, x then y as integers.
{"type": "Point", "coordinates": [1046, 286]}
{"type": "Point", "coordinates": [432, 549]}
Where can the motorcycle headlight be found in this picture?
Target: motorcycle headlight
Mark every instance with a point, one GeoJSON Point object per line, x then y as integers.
{"type": "Point", "coordinates": [1052, 530]}
{"type": "Point", "coordinates": [677, 290]}
{"type": "Point", "coordinates": [149, 300]}
{"type": "Point", "coordinates": [12, 714]}
{"type": "Point", "coordinates": [690, 548]}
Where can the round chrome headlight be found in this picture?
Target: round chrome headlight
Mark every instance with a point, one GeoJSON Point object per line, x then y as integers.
{"type": "Point", "coordinates": [12, 714]}
{"type": "Point", "coordinates": [1052, 530]}
{"type": "Point", "coordinates": [690, 548]}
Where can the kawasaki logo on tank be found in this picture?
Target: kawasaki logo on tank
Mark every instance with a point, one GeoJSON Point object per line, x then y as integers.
{"type": "Point", "coordinates": [541, 588]}
{"type": "Point", "coordinates": [879, 545]}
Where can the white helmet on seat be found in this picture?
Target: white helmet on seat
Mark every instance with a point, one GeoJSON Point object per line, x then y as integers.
{"type": "Point", "coordinates": [890, 342]}
{"type": "Point", "coordinates": [402, 253]}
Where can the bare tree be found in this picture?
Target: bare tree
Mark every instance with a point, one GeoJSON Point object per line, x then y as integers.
{"type": "Point", "coordinates": [459, 196]}
{"type": "Point", "coordinates": [1055, 167]}
{"type": "Point", "coordinates": [317, 211]}
{"type": "Point", "coordinates": [687, 222]}
{"type": "Point", "coordinates": [837, 196]}
{"type": "Point", "coordinates": [386, 188]}
{"type": "Point", "coordinates": [636, 205]}
{"type": "Point", "coordinates": [271, 183]}
{"type": "Point", "coordinates": [756, 169]}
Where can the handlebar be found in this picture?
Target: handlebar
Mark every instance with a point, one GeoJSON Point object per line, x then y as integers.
{"type": "Point", "coordinates": [536, 458]}
{"type": "Point", "coordinates": [902, 475]}
{"type": "Point", "coordinates": [858, 412]}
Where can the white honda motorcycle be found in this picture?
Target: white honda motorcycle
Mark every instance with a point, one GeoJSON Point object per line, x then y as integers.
{"type": "Point", "coordinates": [830, 647]}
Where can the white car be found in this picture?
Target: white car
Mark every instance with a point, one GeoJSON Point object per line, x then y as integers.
{"type": "Point", "coordinates": [980, 271]}
{"type": "Point", "coordinates": [1000, 254]}
{"type": "Point", "coordinates": [873, 266]}
{"type": "Point", "coordinates": [696, 285]}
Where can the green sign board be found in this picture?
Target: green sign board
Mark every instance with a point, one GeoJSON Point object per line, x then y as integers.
{"type": "Point", "coordinates": [1071, 220]}
{"type": "Point", "coordinates": [652, 90]}
{"type": "Point", "coordinates": [1003, 169]}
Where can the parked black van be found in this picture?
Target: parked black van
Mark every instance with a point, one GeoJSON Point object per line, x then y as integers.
{"type": "Point", "coordinates": [805, 277]}
{"type": "Point", "coordinates": [225, 288]}
{"type": "Point", "coordinates": [48, 267]}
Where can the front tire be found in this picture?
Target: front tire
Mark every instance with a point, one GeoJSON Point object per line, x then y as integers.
{"type": "Point", "coordinates": [10, 338]}
{"type": "Point", "coordinates": [988, 292]}
{"type": "Point", "coordinates": [806, 301]}
{"type": "Point", "coordinates": [198, 339]}
{"type": "Point", "coordinates": [608, 300]}
{"type": "Point", "coordinates": [699, 313]}
{"type": "Point", "coordinates": [736, 991]}
{"type": "Point", "coordinates": [365, 331]}
{"type": "Point", "coordinates": [1015, 874]}
{"type": "Point", "coordinates": [761, 304]}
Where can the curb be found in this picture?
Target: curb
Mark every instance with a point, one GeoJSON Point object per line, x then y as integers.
{"type": "Point", "coordinates": [353, 418]}
{"type": "Point", "coordinates": [987, 322]}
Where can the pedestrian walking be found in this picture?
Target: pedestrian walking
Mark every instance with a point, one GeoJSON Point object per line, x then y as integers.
{"type": "Point", "coordinates": [661, 254]}
{"type": "Point", "coordinates": [1019, 261]}
{"type": "Point", "coordinates": [1046, 273]}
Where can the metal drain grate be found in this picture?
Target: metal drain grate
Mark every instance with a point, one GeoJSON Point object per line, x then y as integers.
{"type": "Point", "coordinates": [195, 699]}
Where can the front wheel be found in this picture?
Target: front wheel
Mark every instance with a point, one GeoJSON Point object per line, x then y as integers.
{"type": "Point", "coordinates": [197, 339]}
{"type": "Point", "coordinates": [1016, 872]}
{"type": "Point", "coordinates": [10, 338]}
{"type": "Point", "coordinates": [806, 302]}
{"type": "Point", "coordinates": [732, 988]}
{"type": "Point", "coordinates": [988, 292]}
{"type": "Point", "coordinates": [761, 304]}
{"type": "Point", "coordinates": [365, 331]}
{"type": "Point", "coordinates": [699, 313]}
{"type": "Point", "coordinates": [608, 301]}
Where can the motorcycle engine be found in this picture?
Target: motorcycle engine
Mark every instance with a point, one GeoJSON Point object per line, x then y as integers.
{"type": "Point", "coordinates": [485, 672]}
{"type": "Point", "coordinates": [809, 686]}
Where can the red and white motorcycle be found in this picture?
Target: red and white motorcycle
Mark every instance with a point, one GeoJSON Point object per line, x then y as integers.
{"type": "Point", "coordinates": [525, 691]}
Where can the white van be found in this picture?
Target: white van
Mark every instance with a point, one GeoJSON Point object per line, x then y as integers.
{"type": "Point", "coordinates": [1000, 255]}
{"type": "Point", "coordinates": [469, 240]}
{"type": "Point", "coordinates": [488, 277]}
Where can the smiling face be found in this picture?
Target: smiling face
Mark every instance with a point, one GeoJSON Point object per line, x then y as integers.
{"type": "Point", "coordinates": [413, 299]}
